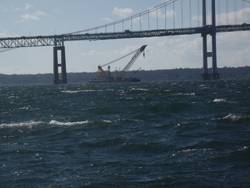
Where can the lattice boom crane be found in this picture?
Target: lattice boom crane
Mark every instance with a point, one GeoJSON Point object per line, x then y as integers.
{"type": "Point", "coordinates": [106, 75]}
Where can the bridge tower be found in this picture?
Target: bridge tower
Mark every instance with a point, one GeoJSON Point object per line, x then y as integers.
{"type": "Point", "coordinates": [59, 61]}
{"type": "Point", "coordinates": [209, 30]}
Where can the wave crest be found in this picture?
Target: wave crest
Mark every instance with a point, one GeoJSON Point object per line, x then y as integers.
{"type": "Point", "coordinates": [219, 100]}
{"type": "Point", "coordinates": [235, 118]}
{"type": "Point", "coordinates": [80, 91]}
{"type": "Point", "coordinates": [28, 124]}
{"type": "Point", "coordinates": [58, 123]}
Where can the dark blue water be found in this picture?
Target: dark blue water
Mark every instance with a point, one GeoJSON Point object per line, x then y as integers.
{"type": "Point", "coordinates": [183, 134]}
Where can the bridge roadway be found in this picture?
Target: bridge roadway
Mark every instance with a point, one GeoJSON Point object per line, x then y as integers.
{"type": "Point", "coordinates": [58, 40]}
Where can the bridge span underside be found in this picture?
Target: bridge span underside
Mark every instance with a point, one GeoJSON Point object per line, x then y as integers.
{"type": "Point", "coordinates": [58, 40]}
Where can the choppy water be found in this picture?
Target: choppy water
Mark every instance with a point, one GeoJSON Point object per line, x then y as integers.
{"type": "Point", "coordinates": [187, 134]}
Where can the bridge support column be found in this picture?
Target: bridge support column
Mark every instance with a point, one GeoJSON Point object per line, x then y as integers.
{"type": "Point", "coordinates": [214, 46]}
{"type": "Point", "coordinates": [60, 74]}
{"type": "Point", "coordinates": [205, 74]}
{"type": "Point", "coordinates": [207, 30]}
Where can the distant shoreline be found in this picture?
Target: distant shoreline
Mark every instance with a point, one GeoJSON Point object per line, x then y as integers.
{"type": "Point", "coordinates": [185, 74]}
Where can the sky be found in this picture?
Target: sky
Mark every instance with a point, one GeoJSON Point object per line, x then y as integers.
{"type": "Point", "coordinates": [48, 17]}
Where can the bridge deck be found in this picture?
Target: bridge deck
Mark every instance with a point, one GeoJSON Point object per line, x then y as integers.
{"type": "Point", "coordinates": [53, 40]}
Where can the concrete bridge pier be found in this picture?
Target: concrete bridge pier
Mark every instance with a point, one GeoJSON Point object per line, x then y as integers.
{"type": "Point", "coordinates": [59, 61]}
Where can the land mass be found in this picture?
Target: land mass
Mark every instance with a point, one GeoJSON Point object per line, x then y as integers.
{"type": "Point", "coordinates": [145, 76]}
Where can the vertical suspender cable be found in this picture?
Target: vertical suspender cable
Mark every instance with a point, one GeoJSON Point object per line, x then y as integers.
{"type": "Point", "coordinates": [131, 23]}
{"type": "Point", "coordinates": [165, 16]}
{"type": "Point", "coordinates": [198, 13]}
{"type": "Point", "coordinates": [241, 10]}
{"type": "Point", "coordinates": [148, 20]}
{"type": "Point", "coordinates": [190, 13]}
{"type": "Point", "coordinates": [235, 11]}
{"type": "Point", "coordinates": [227, 12]}
{"type": "Point", "coordinates": [174, 15]}
{"type": "Point", "coordinates": [140, 22]}
{"type": "Point", "coordinates": [219, 12]}
{"type": "Point", "coordinates": [181, 13]}
{"type": "Point", "coordinates": [157, 21]}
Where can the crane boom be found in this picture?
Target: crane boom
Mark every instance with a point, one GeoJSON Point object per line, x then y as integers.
{"type": "Point", "coordinates": [131, 62]}
{"type": "Point", "coordinates": [105, 75]}
{"type": "Point", "coordinates": [118, 59]}
{"type": "Point", "coordinates": [134, 58]}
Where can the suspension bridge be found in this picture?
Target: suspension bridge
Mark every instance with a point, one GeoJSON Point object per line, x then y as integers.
{"type": "Point", "coordinates": [170, 18]}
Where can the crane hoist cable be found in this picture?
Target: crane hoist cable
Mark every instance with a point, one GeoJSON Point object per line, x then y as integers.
{"type": "Point", "coordinates": [118, 59]}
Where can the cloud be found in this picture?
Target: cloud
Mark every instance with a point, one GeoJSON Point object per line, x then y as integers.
{"type": "Point", "coordinates": [28, 6]}
{"type": "Point", "coordinates": [107, 19]}
{"type": "Point", "coordinates": [122, 12]}
{"type": "Point", "coordinates": [89, 53]}
{"type": "Point", "coordinates": [161, 14]}
{"type": "Point", "coordinates": [239, 16]}
{"type": "Point", "coordinates": [24, 8]}
{"type": "Point", "coordinates": [28, 13]}
{"type": "Point", "coordinates": [34, 16]}
{"type": "Point", "coordinates": [110, 52]}
{"type": "Point", "coordinates": [7, 34]}
{"type": "Point", "coordinates": [234, 48]}
{"type": "Point", "coordinates": [173, 52]}
{"type": "Point", "coordinates": [28, 17]}
{"type": "Point", "coordinates": [233, 17]}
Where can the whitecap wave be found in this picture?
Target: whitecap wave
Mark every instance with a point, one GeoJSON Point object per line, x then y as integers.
{"type": "Point", "coordinates": [107, 121]}
{"type": "Point", "coordinates": [70, 92]}
{"type": "Point", "coordinates": [59, 123]}
{"type": "Point", "coordinates": [235, 118]}
{"type": "Point", "coordinates": [24, 108]}
{"type": "Point", "coordinates": [138, 89]}
{"type": "Point", "coordinates": [167, 91]}
{"type": "Point", "coordinates": [185, 94]}
{"type": "Point", "coordinates": [13, 97]}
{"type": "Point", "coordinates": [232, 117]}
{"type": "Point", "coordinates": [219, 100]}
{"type": "Point", "coordinates": [28, 124]}
{"type": "Point", "coordinates": [194, 150]}
{"type": "Point", "coordinates": [244, 148]}
{"type": "Point", "coordinates": [191, 150]}
{"type": "Point", "coordinates": [80, 91]}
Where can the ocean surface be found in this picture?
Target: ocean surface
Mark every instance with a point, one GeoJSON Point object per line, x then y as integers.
{"type": "Point", "coordinates": [176, 134]}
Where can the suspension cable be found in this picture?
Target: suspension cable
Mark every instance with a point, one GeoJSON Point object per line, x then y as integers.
{"type": "Point", "coordinates": [155, 8]}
